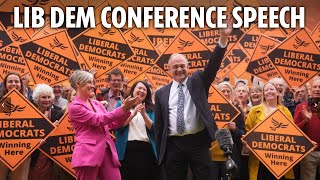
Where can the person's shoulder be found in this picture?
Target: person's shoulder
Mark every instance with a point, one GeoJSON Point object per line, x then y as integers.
{"type": "Point", "coordinates": [257, 108]}
{"type": "Point", "coordinates": [302, 104]}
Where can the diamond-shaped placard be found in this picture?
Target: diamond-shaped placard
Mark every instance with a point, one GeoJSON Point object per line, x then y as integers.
{"type": "Point", "coordinates": [5, 39]}
{"type": "Point", "coordinates": [297, 58]}
{"type": "Point", "coordinates": [51, 59]}
{"type": "Point", "coordinates": [103, 48]}
{"type": "Point", "coordinates": [22, 127]}
{"type": "Point", "coordinates": [236, 61]}
{"type": "Point", "coordinates": [11, 60]}
{"type": "Point", "coordinates": [316, 35]}
{"type": "Point", "coordinates": [145, 54]}
{"type": "Point", "coordinates": [59, 145]}
{"type": "Point", "coordinates": [278, 143]}
{"type": "Point", "coordinates": [260, 64]}
{"type": "Point", "coordinates": [222, 110]}
{"type": "Point", "coordinates": [195, 51]}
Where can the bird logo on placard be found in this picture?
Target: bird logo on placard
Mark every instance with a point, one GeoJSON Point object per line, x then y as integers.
{"type": "Point", "coordinates": [17, 38]}
{"type": "Point", "coordinates": [277, 125]}
{"type": "Point", "coordinates": [299, 43]}
{"type": "Point", "coordinates": [36, 2]}
{"type": "Point", "coordinates": [160, 30]}
{"type": "Point", "coordinates": [135, 38]}
{"type": "Point", "coordinates": [45, 32]}
{"type": "Point", "coordinates": [266, 48]}
{"type": "Point", "coordinates": [184, 44]}
{"type": "Point", "coordinates": [71, 129]}
{"type": "Point", "coordinates": [106, 31]}
{"type": "Point", "coordinates": [57, 44]}
{"type": "Point", "coordinates": [10, 108]}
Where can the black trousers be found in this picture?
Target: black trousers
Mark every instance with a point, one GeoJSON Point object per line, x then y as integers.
{"type": "Point", "coordinates": [192, 150]}
{"type": "Point", "coordinates": [139, 162]}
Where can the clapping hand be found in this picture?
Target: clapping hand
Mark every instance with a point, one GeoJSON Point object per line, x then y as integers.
{"type": "Point", "coordinates": [306, 113]}
{"type": "Point", "coordinates": [129, 103]}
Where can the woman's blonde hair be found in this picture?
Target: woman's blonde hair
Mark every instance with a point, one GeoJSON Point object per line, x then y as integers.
{"type": "Point", "coordinates": [80, 78]}
{"type": "Point", "coordinates": [279, 100]}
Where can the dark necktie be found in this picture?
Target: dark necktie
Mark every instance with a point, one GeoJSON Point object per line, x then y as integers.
{"type": "Point", "coordinates": [180, 109]}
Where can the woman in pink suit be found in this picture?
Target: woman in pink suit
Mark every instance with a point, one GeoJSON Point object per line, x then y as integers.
{"type": "Point", "coordinates": [94, 154]}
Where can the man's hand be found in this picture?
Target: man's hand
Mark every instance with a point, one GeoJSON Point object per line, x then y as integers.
{"type": "Point", "coordinates": [307, 115]}
{"type": "Point", "coordinates": [224, 33]}
{"type": "Point", "coordinates": [232, 126]}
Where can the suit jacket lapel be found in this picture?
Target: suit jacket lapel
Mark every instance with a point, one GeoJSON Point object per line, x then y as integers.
{"type": "Point", "coordinates": [166, 103]}
{"type": "Point", "coordinates": [189, 86]}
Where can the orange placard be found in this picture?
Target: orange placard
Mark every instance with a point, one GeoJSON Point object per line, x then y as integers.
{"type": "Point", "coordinates": [161, 47]}
{"type": "Point", "coordinates": [22, 127]}
{"type": "Point", "coordinates": [6, 9]}
{"type": "Point", "coordinates": [278, 143]}
{"type": "Point", "coordinates": [103, 48]}
{"type": "Point", "coordinates": [157, 77]}
{"type": "Point", "coordinates": [60, 144]}
{"type": "Point", "coordinates": [297, 58]}
{"type": "Point", "coordinates": [19, 36]}
{"type": "Point", "coordinates": [260, 64]}
{"type": "Point", "coordinates": [195, 51]}
{"type": "Point", "coordinates": [222, 110]}
{"type": "Point", "coordinates": [11, 60]}
{"type": "Point", "coordinates": [46, 30]}
{"type": "Point", "coordinates": [5, 39]}
{"type": "Point", "coordinates": [249, 40]}
{"type": "Point", "coordinates": [145, 54]}
{"type": "Point", "coordinates": [210, 36]}
{"type": "Point", "coordinates": [165, 35]}
{"type": "Point", "coordinates": [238, 58]}
{"type": "Point", "coordinates": [51, 59]}
{"type": "Point", "coordinates": [316, 35]}
{"type": "Point", "coordinates": [277, 34]}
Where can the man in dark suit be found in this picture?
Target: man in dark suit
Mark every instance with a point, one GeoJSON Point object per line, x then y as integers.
{"type": "Point", "coordinates": [184, 125]}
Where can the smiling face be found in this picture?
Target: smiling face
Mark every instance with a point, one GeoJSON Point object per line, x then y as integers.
{"type": "Point", "coordinates": [280, 85]}
{"type": "Point", "coordinates": [87, 89]}
{"type": "Point", "coordinates": [140, 91]}
{"type": "Point", "coordinates": [45, 101]}
{"type": "Point", "coordinates": [178, 67]}
{"type": "Point", "coordinates": [57, 90]}
{"type": "Point", "coordinates": [270, 92]}
{"type": "Point", "coordinates": [256, 96]}
{"type": "Point", "coordinates": [115, 82]}
{"type": "Point", "coordinates": [315, 88]}
{"type": "Point", "coordinates": [13, 81]}
{"type": "Point", "coordinates": [226, 91]}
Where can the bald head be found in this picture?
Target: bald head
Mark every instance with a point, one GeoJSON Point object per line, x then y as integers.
{"type": "Point", "coordinates": [178, 67]}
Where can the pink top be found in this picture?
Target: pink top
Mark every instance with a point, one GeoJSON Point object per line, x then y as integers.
{"type": "Point", "coordinates": [92, 132]}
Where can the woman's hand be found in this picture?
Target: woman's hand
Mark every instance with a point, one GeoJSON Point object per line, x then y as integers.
{"type": "Point", "coordinates": [129, 103]}
{"type": "Point", "coordinates": [142, 108]}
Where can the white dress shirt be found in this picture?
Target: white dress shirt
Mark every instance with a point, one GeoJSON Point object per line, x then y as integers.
{"type": "Point", "coordinates": [193, 124]}
{"type": "Point", "coordinates": [137, 129]}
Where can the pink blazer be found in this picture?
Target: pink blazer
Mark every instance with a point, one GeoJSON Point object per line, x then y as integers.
{"type": "Point", "coordinates": [92, 132]}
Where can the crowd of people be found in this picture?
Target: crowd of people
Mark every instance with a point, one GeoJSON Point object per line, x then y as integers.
{"type": "Point", "coordinates": [143, 132]}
